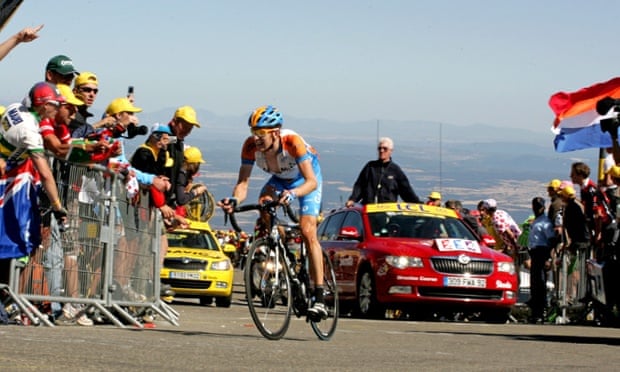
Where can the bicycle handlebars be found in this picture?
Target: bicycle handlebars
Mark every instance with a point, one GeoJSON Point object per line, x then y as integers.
{"type": "Point", "coordinates": [267, 206]}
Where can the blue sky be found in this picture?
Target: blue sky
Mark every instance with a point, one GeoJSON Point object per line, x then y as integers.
{"type": "Point", "coordinates": [460, 62]}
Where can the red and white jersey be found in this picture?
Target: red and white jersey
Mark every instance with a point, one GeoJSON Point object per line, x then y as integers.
{"type": "Point", "coordinates": [49, 127]}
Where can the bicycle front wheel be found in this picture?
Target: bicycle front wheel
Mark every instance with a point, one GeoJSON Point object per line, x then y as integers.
{"type": "Point", "coordinates": [268, 289]}
{"type": "Point", "coordinates": [326, 328]}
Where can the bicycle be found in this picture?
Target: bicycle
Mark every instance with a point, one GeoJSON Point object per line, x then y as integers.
{"type": "Point", "coordinates": [277, 281]}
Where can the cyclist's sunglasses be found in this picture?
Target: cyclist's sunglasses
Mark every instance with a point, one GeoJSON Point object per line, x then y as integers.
{"type": "Point", "coordinates": [262, 132]}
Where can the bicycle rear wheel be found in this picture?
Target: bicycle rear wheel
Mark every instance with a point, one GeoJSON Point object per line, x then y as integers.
{"type": "Point", "coordinates": [267, 289]}
{"type": "Point", "coordinates": [326, 328]}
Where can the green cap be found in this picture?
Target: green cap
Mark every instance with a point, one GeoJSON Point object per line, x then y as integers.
{"type": "Point", "coordinates": [62, 65]}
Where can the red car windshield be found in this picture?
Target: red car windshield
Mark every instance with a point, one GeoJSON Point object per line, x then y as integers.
{"type": "Point", "coordinates": [401, 225]}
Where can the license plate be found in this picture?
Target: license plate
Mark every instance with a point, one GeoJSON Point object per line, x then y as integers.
{"type": "Point", "coordinates": [456, 281]}
{"type": "Point", "coordinates": [184, 275]}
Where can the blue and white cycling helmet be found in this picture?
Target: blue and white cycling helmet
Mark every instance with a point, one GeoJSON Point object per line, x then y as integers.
{"type": "Point", "coordinates": [265, 117]}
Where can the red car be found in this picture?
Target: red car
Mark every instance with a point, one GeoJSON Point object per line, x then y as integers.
{"type": "Point", "coordinates": [418, 258]}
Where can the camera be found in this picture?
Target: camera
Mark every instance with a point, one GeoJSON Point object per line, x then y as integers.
{"type": "Point", "coordinates": [139, 130]}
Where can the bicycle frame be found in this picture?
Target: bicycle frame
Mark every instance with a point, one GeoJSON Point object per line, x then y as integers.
{"type": "Point", "coordinates": [270, 274]}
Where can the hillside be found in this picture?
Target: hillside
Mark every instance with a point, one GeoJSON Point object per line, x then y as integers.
{"type": "Point", "coordinates": [468, 163]}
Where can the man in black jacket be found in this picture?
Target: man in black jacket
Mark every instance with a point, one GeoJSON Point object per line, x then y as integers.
{"type": "Point", "coordinates": [382, 180]}
{"type": "Point", "coordinates": [181, 125]}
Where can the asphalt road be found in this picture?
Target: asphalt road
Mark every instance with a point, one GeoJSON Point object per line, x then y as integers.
{"type": "Point", "coordinates": [223, 339]}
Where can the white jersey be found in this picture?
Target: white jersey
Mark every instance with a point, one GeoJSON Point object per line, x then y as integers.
{"type": "Point", "coordinates": [19, 133]}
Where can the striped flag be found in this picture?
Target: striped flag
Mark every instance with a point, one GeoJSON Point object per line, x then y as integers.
{"type": "Point", "coordinates": [20, 221]}
{"type": "Point", "coordinates": [577, 124]}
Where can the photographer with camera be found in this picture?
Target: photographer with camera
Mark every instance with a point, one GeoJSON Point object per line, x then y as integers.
{"type": "Point", "coordinates": [126, 126]}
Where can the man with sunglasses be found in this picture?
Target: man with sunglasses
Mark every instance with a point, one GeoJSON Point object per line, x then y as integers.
{"type": "Point", "coordinates": [86, 88]}
{"type": "Point", "coordinates": [296, 174]}
{"type": "Point", "coordinates": [382, 180]}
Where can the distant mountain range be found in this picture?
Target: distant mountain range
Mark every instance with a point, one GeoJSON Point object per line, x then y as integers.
{"type": "Point", "coordinates": [469, 163]}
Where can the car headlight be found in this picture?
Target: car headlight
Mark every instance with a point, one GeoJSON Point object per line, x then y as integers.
{"type": "Point", "coordinates": [506, 267]}
{"type": "Point", "coordinates": [220, 265]}
{"type": "Point", "coordinates": [402, 262]}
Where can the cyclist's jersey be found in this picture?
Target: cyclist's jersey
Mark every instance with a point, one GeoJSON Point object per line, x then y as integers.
{"type": "Point", "coordinates": [293, 151]}
{"type": "Point", "coordinates": [19, 133]}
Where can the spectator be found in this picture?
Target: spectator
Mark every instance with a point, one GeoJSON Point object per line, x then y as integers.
{"type": "Point", "coordinates": [26, 35]}
{"type": "Point", "coordinates": [60, 70]}
{"type": "Point", "coordinates": [125, 256]}
{"type": "Point", "coordinates": [152, 157]}
{"type": "Point", "coordinates": [540, 241]}
{"type": "Point", "coordinates": [434, 198]}
{"type": "Point", "coordinates": [506, 228]}
{"type": "Point", "coordinates": [56, 133]}
{"type": "Point", "coordinates": [57, 139]}
{"type": "Point", "coordinates": [471, 219]}
{"type": "Point", "coordinates": [575, 226]}
{"type": "Point", "coordinates": [382, 180]}
{"type": "Point", "coordinates": [555, 207]}
{"type": "Point", "coordinates": [185, 191]}
{"type": "Point", "coordinates": [611, 267]}
{"type": "Point", "coordinates": [86, 88]}
{"type": "Point", "coordinates": [20, 145]}
{"type": "Point", "coordinates": [181, 125]}
{"type": "Point", "coordinates": [487, 223]}
{"type": "Point", "coordinates": [597, 208]}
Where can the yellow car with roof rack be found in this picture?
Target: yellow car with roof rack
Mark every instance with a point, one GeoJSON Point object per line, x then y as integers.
{"type": "Point", "coordinates": [196, 267]}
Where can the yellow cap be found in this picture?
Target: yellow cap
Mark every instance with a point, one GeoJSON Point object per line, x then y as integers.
{"type": "Point", "coordinates": [193, 155]}
{"type": "Point", "coordinates": [121, 105]}
{"type": "Point", "coordinates": [434, 195]}
{"type": "Point", "coordinates": [567, 192]}
{"type": "Point", "coordinates": [85, 78]}
{"type": "Point", "coordinates": [554, 184]}
{"type": "Point", "coordinates": [188, 114]}
{"type": "Point", "coordinates": [69, 96]}
{"type": "Point", "coordinates": [2, 110]}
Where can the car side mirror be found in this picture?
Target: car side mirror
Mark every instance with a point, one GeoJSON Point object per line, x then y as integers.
{"type": "Point", "coordinates": [350, 233]}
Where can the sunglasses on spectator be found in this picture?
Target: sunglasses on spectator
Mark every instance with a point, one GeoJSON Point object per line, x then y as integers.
{"type": "Point", "coordinates": [89, 90]}
{"type": "Point", "coordinates": [382, 148]}
{"type": "Point", "coordinates": [259, 132]}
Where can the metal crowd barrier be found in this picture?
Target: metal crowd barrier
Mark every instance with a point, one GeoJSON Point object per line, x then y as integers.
{"type": "Point", "coordinates": [107, 257]}
{"type": "Point", "coordinates": [571, 279]}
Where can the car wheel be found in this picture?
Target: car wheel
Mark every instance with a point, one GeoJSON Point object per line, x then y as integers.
{"type": "Point", "coordinates": [206, 300]}
{"type": "Point", "coordinates": [367, 304]}
{"type": "Point", "coordinates": [223, 301]}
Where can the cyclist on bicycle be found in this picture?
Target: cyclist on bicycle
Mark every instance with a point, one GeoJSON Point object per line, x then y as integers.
{"type": "Point", "coordinates": [296, 174]}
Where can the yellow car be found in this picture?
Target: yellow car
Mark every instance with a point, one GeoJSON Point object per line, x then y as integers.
{"type": "Point", "coordinates": [195, 265]}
